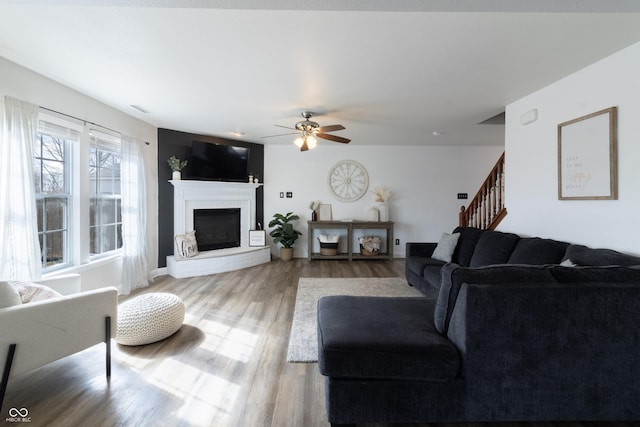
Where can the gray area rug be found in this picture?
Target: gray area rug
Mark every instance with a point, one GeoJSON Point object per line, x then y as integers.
{"type": "Point", "coordinates": [303, 341]}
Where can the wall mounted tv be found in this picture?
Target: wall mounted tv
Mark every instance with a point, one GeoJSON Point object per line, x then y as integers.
{"type": "Point", "coordinates": [219, 162]}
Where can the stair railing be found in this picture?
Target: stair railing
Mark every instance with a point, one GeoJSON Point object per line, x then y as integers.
{"type": "Point", "coordinates": [487, 208]}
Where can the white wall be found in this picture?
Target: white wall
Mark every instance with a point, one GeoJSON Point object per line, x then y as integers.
{"type": "Point", "coordinates": [531, 158]}
{"type": "Point", "coordinates": [424, 182]}
{"type": "Point", "coordinates": [21, 83]}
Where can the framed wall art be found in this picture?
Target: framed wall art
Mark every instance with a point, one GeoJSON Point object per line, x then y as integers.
{"type": "Point", "coordinates": [588, 157]}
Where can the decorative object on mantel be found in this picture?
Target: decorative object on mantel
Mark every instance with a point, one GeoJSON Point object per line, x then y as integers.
{"type": "Point", "coordinates": [176, 166]}
{"type": "Point", "coordinates": [381, 197]}
{"type": "Point", "coordinates": [284, 233]}
{"type": "Point", "coordinates": [369, 245]}
{"type": "Point", "coordinates": [250, 178]}
{"type": "Point", "coordinates": [314, 209]}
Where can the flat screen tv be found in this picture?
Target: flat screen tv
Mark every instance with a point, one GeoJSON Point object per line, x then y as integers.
{"type": "Point", "coordinates": [219, 162]}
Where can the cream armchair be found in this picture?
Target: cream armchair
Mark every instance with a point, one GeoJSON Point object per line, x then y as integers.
{"type": "Point", "coordinates": [40, 332]}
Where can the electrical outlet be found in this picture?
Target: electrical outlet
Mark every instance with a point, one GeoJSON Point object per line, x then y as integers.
{"type": "Point", "coordinates": [282, 194]}
{"type": "Point", "coordinates": [397, 242]}
{"type": "Point", "coordinates": [289, 195]}
{"type": "Point", "coordinates": [462, 195]}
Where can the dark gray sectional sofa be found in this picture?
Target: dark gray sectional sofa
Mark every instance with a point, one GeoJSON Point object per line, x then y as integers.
{"type": "Point", "coordinates": [477, 248]}
{"type": "Point", "coordinates": [504, 333]}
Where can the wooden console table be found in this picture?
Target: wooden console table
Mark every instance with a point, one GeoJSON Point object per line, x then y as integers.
{"type": "Point", "coordinates": [350, 227]}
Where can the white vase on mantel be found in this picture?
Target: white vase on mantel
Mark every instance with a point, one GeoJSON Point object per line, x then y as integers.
{"type": "Point", "coordinates": [176, 175]}
{"type": "Point", "coordinates": [383, 211]}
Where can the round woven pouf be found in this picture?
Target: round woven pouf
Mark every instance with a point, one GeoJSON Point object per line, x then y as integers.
{"type": "Point", "coordinates": [149, 318]}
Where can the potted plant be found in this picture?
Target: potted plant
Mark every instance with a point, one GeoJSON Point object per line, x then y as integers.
{"type": "Point", "coordinates": [284, 233]}
{"type": "Point", "coordinates": [176, 166]}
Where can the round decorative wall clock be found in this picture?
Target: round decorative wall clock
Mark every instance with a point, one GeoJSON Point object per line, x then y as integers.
{"type": "Point", "coordinates": [348, 180]}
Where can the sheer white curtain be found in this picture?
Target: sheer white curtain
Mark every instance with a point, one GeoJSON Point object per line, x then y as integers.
{"type": "Point", "coordinates": [20, 257]}
{"type": "Point", "coordinates": [135, 270]}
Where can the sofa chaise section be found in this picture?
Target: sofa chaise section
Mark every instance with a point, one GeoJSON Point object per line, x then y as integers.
{"type": "Point", "coordinates": [542, 343]}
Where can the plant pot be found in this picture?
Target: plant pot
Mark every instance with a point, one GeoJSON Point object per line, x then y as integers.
{"type": "Point", "coordinates": [176, 175]}
{"type": "Point", "coordinates": [286, 254]}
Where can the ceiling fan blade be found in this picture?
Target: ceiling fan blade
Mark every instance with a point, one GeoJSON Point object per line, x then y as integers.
{"type": "Point", "coordinates": [330, 128]}
{"type": "Point", "coordinates": [282, 134]}
{"type": "Point", "coordinates": [304, 146]}
{"type": "Point", "coordinates": [333, 137]}
{"type": "Point", "coordinates": [286, 127]}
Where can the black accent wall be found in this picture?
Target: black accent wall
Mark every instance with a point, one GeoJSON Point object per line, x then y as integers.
{"type": "Point", "coordinates": [173, 142]}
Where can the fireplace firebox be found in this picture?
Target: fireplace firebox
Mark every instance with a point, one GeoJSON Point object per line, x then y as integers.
{"type": "Point", "coordinates": [217, 228]}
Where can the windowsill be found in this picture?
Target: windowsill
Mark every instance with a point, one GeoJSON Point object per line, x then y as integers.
{"type": "Point", "coordinates": [84, 267]}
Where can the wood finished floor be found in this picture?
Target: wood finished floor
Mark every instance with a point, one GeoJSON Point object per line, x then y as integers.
{"type": "Point", "coordinates": [225, 367]}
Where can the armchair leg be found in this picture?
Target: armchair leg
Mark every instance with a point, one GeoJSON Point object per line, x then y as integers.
{"type": "Point", "coordinates": [107, 340]}
{"type": "Point", "coordinates": [6, 372]}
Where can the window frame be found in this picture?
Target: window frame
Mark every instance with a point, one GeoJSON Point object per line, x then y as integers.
{"type": "Point", "coordinates": [69, 136]}
{"type": "Point", "coordinates": [111, 144]}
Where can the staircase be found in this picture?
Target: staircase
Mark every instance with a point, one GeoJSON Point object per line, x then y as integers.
{"type": "Point", "coordinates": [487, 209]}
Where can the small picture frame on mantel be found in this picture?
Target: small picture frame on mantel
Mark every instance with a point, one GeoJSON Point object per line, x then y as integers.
{"type": "Point", "coordinates": [257, 238]}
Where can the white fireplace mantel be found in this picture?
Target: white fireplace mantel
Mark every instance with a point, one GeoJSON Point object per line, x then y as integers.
{"type": "Point", "coordinates": [189, 195]}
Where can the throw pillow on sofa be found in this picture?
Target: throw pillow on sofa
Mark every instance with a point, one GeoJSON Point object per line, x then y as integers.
{"type": "Point", "coordinates": [583, 255]}
{"type": "Point", "coordinates": [446, 247]}
{"type": "Point", "coordinates": [8, 295]}
{"type": "Point", "coordinates": [30, 292]}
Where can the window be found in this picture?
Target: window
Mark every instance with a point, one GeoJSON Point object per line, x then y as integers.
{"type": "Point", "coordinates": [78, 198]}
{"type": "Point", "coordinates": [51, 169]}
{"type": "Point", "coordinates": [105, 198]}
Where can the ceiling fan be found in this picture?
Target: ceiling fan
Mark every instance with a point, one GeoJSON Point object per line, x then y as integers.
{"type": "Point", "coordinates": [310, 130]}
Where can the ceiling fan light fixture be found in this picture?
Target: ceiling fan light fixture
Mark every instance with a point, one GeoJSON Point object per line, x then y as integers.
{"type": "Point", "coordinates": [298, 141]}
{"type": "Point", "coordinates": [312, 142]}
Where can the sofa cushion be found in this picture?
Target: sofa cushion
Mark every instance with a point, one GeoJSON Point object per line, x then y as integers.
{"type": "Point", "coordinates": [537, 251]}
{"type": "Point", "coordinates": [417, 264]}
{"type": "Point", "coordinates": [8, 295]}
{"type": "Point", "coordinates": [493, 247]}
{"type": "Point", "coordinates": [612, 273]}
{"type": "Point", "coordinates": [446, 247]}
{"type": "Point", "coordinates": [582, 255]}
{"type": "Point", "coordinates": [466, 244]}
{"type": "Point", "coordinates": [454, 276]}
{"type": "Point", "coordinates": [376, 337]}
{"type": "Point", "coordinates": [433, 276]}
{"type": "Point", "coordinates": [31, 292]}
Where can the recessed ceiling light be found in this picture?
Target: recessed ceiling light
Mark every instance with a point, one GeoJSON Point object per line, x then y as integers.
{"type": "Point", "coordinates": [437, 133]}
